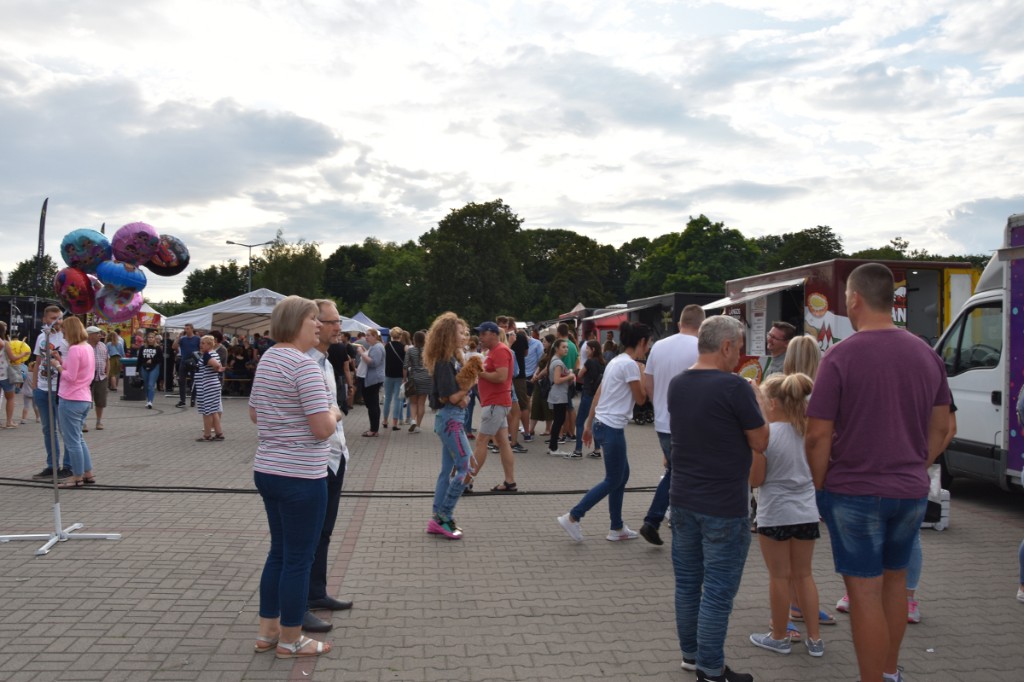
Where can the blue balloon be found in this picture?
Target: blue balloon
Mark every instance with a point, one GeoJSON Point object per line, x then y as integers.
{"type": "Point", "coordinates": [121, 275]}
{"type": "Point", "coordinates": [85, 249]}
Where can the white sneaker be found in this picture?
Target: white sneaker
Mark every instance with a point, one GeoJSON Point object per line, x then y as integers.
{"type": "Point", "coordinates": [558, 453]}
{"type": "Point", "coordinates": [624, 533]}
{"type": "Point", "coordinates": [571, 527]}
{"type": "Point", "coordinates": [149, 406]}
{"type": "Point", "coordinates": [1020, 594]}
{"type": "Point", "coordinates": [843, 605]}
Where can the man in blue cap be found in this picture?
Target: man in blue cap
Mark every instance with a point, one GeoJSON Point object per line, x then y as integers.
{"type": "Point", "coordinates": [495, 389]}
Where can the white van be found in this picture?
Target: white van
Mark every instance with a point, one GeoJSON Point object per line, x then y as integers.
{"type": "Point", "coordinates": [983, 350]}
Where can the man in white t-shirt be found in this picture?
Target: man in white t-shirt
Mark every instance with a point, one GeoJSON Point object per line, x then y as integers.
{"type": "Point", "coordinates": [44, 380]}
{"type": "Point", "coordinates": [667, 358]}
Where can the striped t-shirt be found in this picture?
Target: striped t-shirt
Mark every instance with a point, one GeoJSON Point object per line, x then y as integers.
{"type": "Point", "coordinates": [288, 387]}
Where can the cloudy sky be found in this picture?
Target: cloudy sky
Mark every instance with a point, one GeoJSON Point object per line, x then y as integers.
{"type": "Point", "coordinates": [338, 120]}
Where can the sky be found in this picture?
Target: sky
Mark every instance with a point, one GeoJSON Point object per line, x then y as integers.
{"type": "Point", "coordinates": [334, 121]}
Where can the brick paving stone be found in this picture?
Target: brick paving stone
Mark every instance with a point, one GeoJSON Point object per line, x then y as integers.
{"type": "Point", "coordinates": [176, 598]}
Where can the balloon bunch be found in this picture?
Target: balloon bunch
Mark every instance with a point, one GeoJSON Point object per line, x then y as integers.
{"type": "Point", "coordinates": [115, 291]}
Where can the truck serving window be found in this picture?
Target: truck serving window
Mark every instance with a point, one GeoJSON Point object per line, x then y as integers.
{"type": "Point", "coordinates": [976, 341]}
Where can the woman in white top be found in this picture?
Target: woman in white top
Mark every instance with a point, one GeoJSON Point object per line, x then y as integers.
{"type": "Point", "coordinates": [621, 389]}
{"type": "Point", "coordinates": [787, 513]}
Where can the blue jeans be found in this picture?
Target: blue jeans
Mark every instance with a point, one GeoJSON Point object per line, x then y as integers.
{"type": "Point", "coordinates": [455, 459]}
{"type": "Point", "coordinates": [392, 401]}
{"type": "Point", "coordinates": [581, 417]}
{"type": "Point", "coordinates": [468, 422]}
{"type": "Point", "coordinates": [295, 511]}
{"type": "Point", "coordinates": [1020, 558]}
{"type": "Point", "coordinates": [708, 555]}
{"type": "Point", "coordinates": [71, 416]}
{"type": "Point", "coordinates": [149, 377]}
{"type": "Point", "coordinates": [659, 505]}
{"type": "Point", "coordinates": [39, 398]}
{"type": "Point", "coordinates": [616, 474]}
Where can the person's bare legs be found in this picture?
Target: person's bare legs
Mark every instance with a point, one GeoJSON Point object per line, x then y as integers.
{"type": "Point", "coordinates": [419, 405]}
{"type": "Point", "coordinates": [99, 415]}
{"type": "Point", "coordinates": [508, 458]}
{"type": "Point", "coordinates": [513, 422]}
{"type": "Point", "coordinates": [217, 431]}
{"type": "Point", "coordinates": [776, 558]}
{"type": "Point", "coordinates": [801, 555]}
{"type": "Point", "coordinates": [879, 621]}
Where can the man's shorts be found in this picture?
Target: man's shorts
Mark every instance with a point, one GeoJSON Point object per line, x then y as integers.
{"type": "Point", "coordinates": [493, 418]}
{"type": "Point", "coordinates": [519, 385]}
{"type": "Point", "coordinates": [870, 535]}
{"type": "Point", "coordinates": [99, 393]}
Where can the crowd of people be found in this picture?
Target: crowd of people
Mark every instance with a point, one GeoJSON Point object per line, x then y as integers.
{"type": "Point", "coordinates": [817, 438]}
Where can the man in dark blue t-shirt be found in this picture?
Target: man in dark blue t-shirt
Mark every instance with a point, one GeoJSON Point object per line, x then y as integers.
{"type": "Point", "coordinates": [186, 345]}
{"type": "Point", "coordinates": [715, 419]}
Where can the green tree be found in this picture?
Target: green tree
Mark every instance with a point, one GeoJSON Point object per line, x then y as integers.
{"type": "Point", "coordinates": [896, 249]}
{"type": "Point", "coordinates": [563, 267]}
{"type": "Point", "coordinates": [215, 283]}
{"type": "Point", "coordinates": [346, 273]}
{"type": "Point", "coordinates": [789, 250]}
{"type": "Point", "coordinates": [701, 258]}
{"type": "Point", "coordinates": [395, 283]}
{"type": "Point", "coordinates": [473, 262]}
{"type": "Point", "coordinates": [290, 269]}
{"type": "Point", "coordinates": [22, 280]}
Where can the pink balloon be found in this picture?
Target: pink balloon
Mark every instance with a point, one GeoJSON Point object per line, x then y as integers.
{"type": "Point", "coordinates": [118, 305]}
{"type": "Point", "coordinates": [135, 243]}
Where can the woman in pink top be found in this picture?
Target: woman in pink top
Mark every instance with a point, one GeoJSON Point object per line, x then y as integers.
{"type": "Point", "coordinates": [77, 371]}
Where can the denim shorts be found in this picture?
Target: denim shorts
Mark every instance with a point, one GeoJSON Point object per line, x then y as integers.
{"type": "Point", "coordinates": [6, 386]}
{"type": "Point", "coordinates": [870, 535]}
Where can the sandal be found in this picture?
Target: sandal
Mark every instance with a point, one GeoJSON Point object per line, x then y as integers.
{"type": "Point", "coordinates": [265, 645]}
{"type": "Point", "coordinates": [294, 650]}
{"type": "Point", "coordinates": [99, 427]}
{"type": "Point", "coordinates": [505, 487]}
{"type": "Point", "coordinates": [369, 434]}
{"type": "Point", "coordinates": [72, 484]}
{"type": "Point", "coordinates": [824, 617]}
{"type": "Point", "coordinates": [89, 480]}
{"type": "Point", "coordinates": [204, 438]}
{"type": "Point", "coordinates": [85, 429]}
{"type": "Point", "coordinates": [218, 436]}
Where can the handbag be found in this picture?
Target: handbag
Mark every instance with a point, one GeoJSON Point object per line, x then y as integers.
{"type": "Point", "coordinates": [409, 386]}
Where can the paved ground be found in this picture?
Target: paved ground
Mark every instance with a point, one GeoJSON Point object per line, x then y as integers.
{"type": "Point", "coordinates": [176, 597]}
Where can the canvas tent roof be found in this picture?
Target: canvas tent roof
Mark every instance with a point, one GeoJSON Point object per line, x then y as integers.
{"type": "Point", "coordinates": [248, 314]}
{"type": "Point", "coordinates": [361, 317]}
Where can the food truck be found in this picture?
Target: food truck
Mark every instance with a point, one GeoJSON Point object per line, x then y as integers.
{"type": "Point", "coordinates": [983, 350]}
{"type": "Point", "coordinates": [812, 298]}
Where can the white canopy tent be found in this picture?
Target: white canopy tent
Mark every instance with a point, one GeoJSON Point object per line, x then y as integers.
{"type": "Point", "coordinates": [246, 314]}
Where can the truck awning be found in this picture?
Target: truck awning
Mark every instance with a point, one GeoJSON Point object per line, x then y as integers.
{"type": "Point", "coordinates": [752, 292]}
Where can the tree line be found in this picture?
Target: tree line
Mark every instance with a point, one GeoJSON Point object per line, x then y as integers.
{"type": "Point", "coordinates": [479, 261]}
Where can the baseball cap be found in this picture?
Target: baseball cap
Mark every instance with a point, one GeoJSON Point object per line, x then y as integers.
{"type": "Point", "coordinates": [93, 330]}
{"type": "Point", "coordinates": [488, 327]}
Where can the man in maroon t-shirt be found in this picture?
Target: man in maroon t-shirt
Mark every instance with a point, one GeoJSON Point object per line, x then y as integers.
{"type": "Point", "coordinates": [495, 389]}
{"type": "Point", "coordinates": [876, 420]}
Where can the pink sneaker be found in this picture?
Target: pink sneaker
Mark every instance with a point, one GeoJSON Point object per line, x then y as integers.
{"type": "Point", "coordinates": [843, 605]}
{"type": "Point", "coordinates": [913, 612]}
{"type": "Point", "coordinates": [445, 528]}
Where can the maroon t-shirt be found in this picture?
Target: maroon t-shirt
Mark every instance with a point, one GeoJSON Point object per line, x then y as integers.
{"type": "Point", "coordinates": [878, 388]}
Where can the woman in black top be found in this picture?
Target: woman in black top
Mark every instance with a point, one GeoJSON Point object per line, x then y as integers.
{"type": "Point", "coordinates": [394, 361]}
{"type": "Point", "coordinates": [151, 358]}
{"type": "Point", "coordinates": [590, 374]}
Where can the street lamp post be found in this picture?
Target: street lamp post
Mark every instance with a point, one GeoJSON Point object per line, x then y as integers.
{"type": "Point", "coordinates": [250, 247]}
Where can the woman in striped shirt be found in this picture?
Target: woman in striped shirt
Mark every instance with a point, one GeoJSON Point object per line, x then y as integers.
{"type": "Point", "coordinates": [290, 406]}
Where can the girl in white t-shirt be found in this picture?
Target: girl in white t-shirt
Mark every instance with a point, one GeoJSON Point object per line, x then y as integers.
{"type": "Point", "coordinates": [787, 513]}
{"type": "Point", "coordinates": [621, 389]}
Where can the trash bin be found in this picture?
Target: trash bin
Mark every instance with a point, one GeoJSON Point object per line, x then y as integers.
{"type": "Point", "coordinates": [134, 389]}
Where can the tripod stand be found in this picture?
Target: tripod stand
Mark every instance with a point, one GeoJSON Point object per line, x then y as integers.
{"type": "Point", "coordinates": [59, 534]}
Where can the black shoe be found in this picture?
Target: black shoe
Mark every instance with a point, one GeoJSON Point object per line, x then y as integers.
{"type": "Point", "coordinates": [650, 533]}
{"type": "Point", "coordinates": [468, 490]}
{"type": "Point", "coordinates": [64, 473]}
{"type": "Point", "coordinates": [329, 603]}
{"type": "Point", "coordinates": [311, 623]}
{"type": "Point", "coordinates": [726, 676]}
{"type": "Point", "coordinates": [192, 404]}
{"type": "Point", "coordinates": [43, 475]}
{"type": "Point", "coordinates": [180, 404]}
